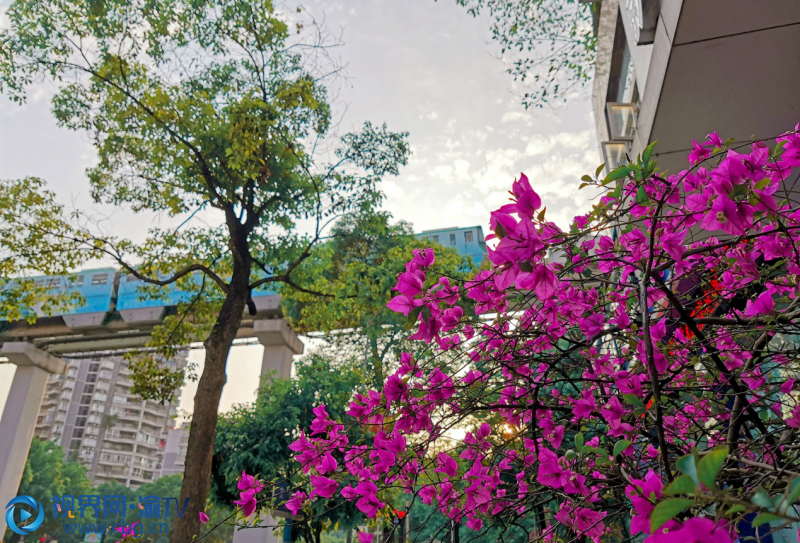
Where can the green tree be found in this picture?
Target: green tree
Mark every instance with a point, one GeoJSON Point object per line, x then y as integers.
{"type": "Point", "coordinates": [255, 438]}
{"type": "Point", "coordinates": [193, 105]}
{"type": "Point", "coordinates": [549, 46]}
{"type": "Point", "coordinates": [47, 474]}
{"type": "Point", "coordinates": [359, 266]}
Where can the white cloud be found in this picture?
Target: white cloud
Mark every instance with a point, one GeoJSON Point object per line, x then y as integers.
{"type": "Point", "coordinates": [511, 116]}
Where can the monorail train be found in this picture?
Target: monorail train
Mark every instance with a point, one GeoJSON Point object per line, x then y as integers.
{"type": "Point", "coordinates": [108, 290]}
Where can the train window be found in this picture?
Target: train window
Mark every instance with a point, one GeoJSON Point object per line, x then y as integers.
{"type": "Point", "coordinates": [54, 282]}
{"type": "Point", "coordinates": [77, 282]}
{"type": "Point", "coordinates": [435, 238]}
{"type": "Point", "coordinates": [452, 239]}
{"type": "Point", "coordinates": [38, 283]}
{"type": "Point", "coordinates": [131, 278]}
{"type": "Point", "coordinates": [468, 237]}
{"type": "Point", "coordinates": [99, 279]}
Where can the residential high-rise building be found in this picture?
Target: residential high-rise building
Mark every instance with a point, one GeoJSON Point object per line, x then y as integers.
{"type": "Point", "coordinates": [176, 443]}
{"type": "Point", "coordinates": [91, 412]}
{"type": "Point", "coordinates": [674, 70]}
{"type": "Point", "coordinates": [468, 241]}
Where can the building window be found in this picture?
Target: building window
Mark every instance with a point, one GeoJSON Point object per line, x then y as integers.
{"type": "Point", "coordinates": [94, 367]}
{"type": "Point", "coordinates": [86, 399]}
{"type": "Point", "coordinates": [435, 238]}
{"type": "Point", "coordinates": [99, 279]}
{"type": "Point", "coordinates": [452, 239]}
{"type": "Point", "coordinates": [468, 237]}
{"type": "Point", "coordinates": [83, 411]}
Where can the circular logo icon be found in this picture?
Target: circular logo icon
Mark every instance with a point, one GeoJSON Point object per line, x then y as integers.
{"type": "Point", "coordinates": [24, 515]}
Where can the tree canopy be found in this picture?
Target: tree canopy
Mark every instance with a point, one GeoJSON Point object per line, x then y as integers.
{"type": "Point", "coordinates": [549, 46]}
{"type": "Point", "coordinates": [359, 265]}
{"type": "Point", "coordinates": [214, 114]}
{"type": "Point", "coordinates": [255, 438]}
{"type": "Point", "coordinates": [47, 474]}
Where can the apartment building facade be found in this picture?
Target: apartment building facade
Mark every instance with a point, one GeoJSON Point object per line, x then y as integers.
{"type": "Point", "coordinates": [676, 70]}
{"type": "Point", "coordinates": [91, 412]}
{"type": "Point", "coordinates": [468, 241]}
{"type": "Point", "coordinates": [176, 439]}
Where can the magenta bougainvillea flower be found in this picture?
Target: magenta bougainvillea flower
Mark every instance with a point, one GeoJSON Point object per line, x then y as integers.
{"type": "Point", "coordinates": [646, 353]}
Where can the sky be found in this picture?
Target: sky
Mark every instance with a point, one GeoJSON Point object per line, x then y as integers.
{"type": "Point", "coordinates": [421, 66]}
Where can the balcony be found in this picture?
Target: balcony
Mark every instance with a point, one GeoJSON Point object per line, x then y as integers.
{"type": "Point", "coordinates": [154, 407]}
{"type": "Point", "coordinates": [145, 440]}
{"type": "Point", "coordinates": [125, 413]}
{"type": "Point", "coordinates": [155, 422]}
{"type": "Point", "coordinates": [113, 459]}
{"type": "Point", "coordinates": [122, 437]}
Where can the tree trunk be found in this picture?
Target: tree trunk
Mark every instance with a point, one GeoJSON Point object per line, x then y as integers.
{"type": "Point", "coordinates": [203, 429]}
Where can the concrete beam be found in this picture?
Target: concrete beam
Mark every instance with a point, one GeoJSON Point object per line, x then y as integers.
{"type": "Point", "coordinates": [19, 416]}
{"type": "Point", "coordinates": [23, 353]}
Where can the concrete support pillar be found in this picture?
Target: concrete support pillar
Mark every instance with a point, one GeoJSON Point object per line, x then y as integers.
{"type": "Point", "coordinates": [19, 416]}
{"type": "Point", "coordinates": [261, 535]}
{"type": "Point", "coordinates": [280, 345]}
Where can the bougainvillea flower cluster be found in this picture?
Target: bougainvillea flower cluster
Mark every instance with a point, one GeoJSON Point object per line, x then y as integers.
{"type": "Point", "coordinates": [634, 374]}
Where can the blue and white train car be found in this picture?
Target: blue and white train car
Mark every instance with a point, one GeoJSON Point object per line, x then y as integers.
{"type": "Point", "coordinates": [97, 287]}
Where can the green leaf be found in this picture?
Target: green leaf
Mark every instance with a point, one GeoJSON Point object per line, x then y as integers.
{"type": "Point", "coordinates": [641, 195]}
{"type": "Point", "coordinates": [579, 441]}
{"type": "Point", "coordinates": [710, 465]}
{"type": "Point", "coordinates": [762, 499]}
{"type": "Point", "coordinates": [687, 465]}
{"type": "Point", "coordinates": [621, 446]}
{"type": "Point", "coordinates": [792, 493]}
{"type": "Point", "coordinates": [763, 518]}
{"type": "Point", "coordinates": [735, 509]}
{"type": "Point", "coordinates": [648, 151]}
{"type": "Point", "coordinates": [619, 173]}
{"type": "Point", "coordinates": [588, 179]}
{"type": "Point", "coordinates": [413, 316]}
{"type": "Point", "coordinates": [666, 511]}
{"type": "Point", "coordinates": [761, 185]}
{"type": "Point", "coordinates": [499, 231]}
{"type": "Point", "coordinates": [778, 151]}
{"type": "Point", "coordinates": [599, 169]}
{"type": "Point", "coordinates": [681, 485]}
{"type": "Point", "coordinates": [633, 399]}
